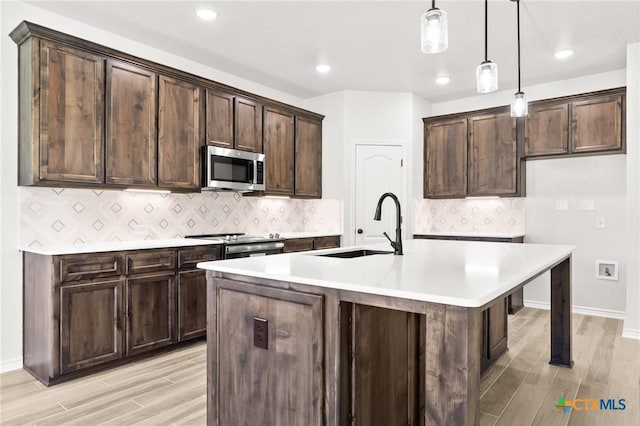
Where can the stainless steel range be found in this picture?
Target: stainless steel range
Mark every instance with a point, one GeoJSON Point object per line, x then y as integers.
{"type": "Point", "coordinates": [241, 245]}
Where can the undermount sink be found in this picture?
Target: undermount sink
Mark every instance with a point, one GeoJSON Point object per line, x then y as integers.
{"type": "Point", "coordinates": [355, 253]}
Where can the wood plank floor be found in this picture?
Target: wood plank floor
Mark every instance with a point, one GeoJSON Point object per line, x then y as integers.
{"type": "Point", "coordinates": [521, 388]}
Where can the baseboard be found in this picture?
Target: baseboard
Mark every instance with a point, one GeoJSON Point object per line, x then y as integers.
{"type": "Point", "coordinates": [10, 365]}
{"type": "Point", "coordinates": [584, 310]}
{"type": "Point", "coordinates": [631, 333]}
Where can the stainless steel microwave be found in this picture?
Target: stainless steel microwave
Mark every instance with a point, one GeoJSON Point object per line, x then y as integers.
{"type": "Point", "coordinates": [232, 170]}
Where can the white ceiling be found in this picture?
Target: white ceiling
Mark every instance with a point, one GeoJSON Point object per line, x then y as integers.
{"type": "Point", "coordinates": [374, 45]}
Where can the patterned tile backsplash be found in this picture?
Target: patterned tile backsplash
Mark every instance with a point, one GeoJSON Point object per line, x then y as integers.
{"type": "Point", "coordinates": [483, 216]}
{"type": "Point", "coordinates": [75, 216]}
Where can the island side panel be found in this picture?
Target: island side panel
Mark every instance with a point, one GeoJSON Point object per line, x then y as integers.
{"type": "Point", "coordinates": [212, 349]}
{"type": "Point", "coordinates": [333, 329]}
{"type": "Point", "coordinates": [453, 344]}
{"type": "Point", "coordinates": [561, 314]}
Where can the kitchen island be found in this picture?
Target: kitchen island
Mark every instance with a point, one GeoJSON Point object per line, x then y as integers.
{"type": "Point", "coordinates": [305, 338]}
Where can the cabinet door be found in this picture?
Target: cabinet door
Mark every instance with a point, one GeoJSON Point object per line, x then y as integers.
{"type": "Point", "coordinates": [298, 244]}
{"type": "Point", "coordinates": [445, 158]}
{"type": "Point", "coordinates": [248, 125]}
{"type": "Point", "coordinates": [192, 304]}
{"type": "Point", "coordinates": [596, 124]}
{"type": "Point", "coordinates": [71, 115]}
{"type": "Point", "coordinates": [320, 243]}
{"type": "Point", "coordinates": [492, 155]}
{"type": "Point", "coordinates": [308, 157]}
{"type": "Point", "coordinates": [219, 118]}
{"type": "Point", "coordinates": [278, 151]}
{"type": "Point", "coordinates": [546, 130]}
{"type": "Point", "coordinates": [151, 311]}
{"type": "Point", "coordinates": [179, 134]}
{"type": "Point", "coordinates": [90, 324]}
{"type": "Point", "coordinates": [131, 125]}
{"type": "Point", "coordinates": [279, 385]}
{"type": "Point", "coordinates": [495, 333]}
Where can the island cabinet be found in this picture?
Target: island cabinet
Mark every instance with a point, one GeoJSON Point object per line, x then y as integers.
{"type": "Point", "coordinates": [84, 312]}
{"type": "Point", "coordinates": [589, 123]}
{"type": "Point", "coordinates": [473, 154]}
{"type": "Point", "coordinates": [273, 355]}
{"type": "Point", "coordinates": [311, 243]}
{"type": "Point", "coordinates": [372, 340]}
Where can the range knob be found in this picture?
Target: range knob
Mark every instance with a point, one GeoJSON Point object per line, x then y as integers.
{"type": "Point", "coordinates": [270, 235]}
{"type": "Point", "coordinates": [277, 235]}
{"type": "Point", "coordinates": [235, 238]}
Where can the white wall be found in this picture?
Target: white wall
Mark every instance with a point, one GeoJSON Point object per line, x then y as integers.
{"type": "Point", "coordinates": [632, 319]}
{"type": "Point", "coordinates": [373, 118]}
{"type": "Point", "coordinates": [11, 14]}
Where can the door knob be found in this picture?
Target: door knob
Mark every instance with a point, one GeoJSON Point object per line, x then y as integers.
{"type": "Point", "coordinates": [359, 231]}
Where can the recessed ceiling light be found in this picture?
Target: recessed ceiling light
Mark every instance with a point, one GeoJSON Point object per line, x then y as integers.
{"type": "Point", "coordinates": [563, 54]}
{"type": "Point", "coordinates": [323, 68]}
{"type": "Point", "coordinates": [442, 80]}
{"type": "Point", "coordinates": [206, 14]}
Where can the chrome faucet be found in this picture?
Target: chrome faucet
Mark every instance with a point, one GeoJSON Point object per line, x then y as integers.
{"type": "Point", "coordinates": [397, 244]}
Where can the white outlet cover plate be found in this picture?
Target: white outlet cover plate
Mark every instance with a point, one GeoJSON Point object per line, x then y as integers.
{"type": "Point", "coordinates": [587, 205]}
{"type": "Point", "coordinates": [601, 222]}
{"type": "Point", "coordinates": [562, 205]}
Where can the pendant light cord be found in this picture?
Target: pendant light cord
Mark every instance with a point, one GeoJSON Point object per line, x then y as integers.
{"type": "Point", "coordinates": [433, 4]}
{"type": "Point", "coordinates": [518, 9]}
{"type": "Point", "coordinates": [486, 31]}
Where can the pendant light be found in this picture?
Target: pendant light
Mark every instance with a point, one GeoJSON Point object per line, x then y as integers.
{"type": "Point", "coordinates": [434, 34]}
{"type": "Point", "coordinates": [519, 106]}
{"type": "Point", "coordinates": [487, 71]}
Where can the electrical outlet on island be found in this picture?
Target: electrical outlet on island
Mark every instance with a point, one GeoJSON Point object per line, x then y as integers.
{"type": "Point", "coordinates": [141, 230]}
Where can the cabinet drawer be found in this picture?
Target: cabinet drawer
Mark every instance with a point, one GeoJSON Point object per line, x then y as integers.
{"type": "Point", "coordinates": [326, 242]}
{"type": "Point", "coordinates": [189, 257]}
{"type": "Point", "coordinates": [298, 244]}
{"type": "Point", "coordinates": [84, 267]}
{"type": "Point", "coordinates": [150, 261]}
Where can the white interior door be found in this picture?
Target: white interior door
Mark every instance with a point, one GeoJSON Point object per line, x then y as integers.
{"type": "Point", "coordinates": [378, 170]}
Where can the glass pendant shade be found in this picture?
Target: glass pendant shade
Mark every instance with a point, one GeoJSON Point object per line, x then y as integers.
{"type": "Point", "coordinates": [434, 34]}
{"type": "Point", "coordinates": [487, 77]}
{"type": "Point", "coordinates": [519, 105]}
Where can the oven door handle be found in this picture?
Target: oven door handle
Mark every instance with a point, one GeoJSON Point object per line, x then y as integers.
{"type": "Point", "coordinates": [252, 248]}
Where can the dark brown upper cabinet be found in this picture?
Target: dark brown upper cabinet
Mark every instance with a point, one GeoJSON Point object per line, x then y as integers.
{"type": "Point", "coordinates": [247, 125]}
{"type": "Point", "coordinates": [180, 134]}
{"type": "Point", "coordinates": [546, 130]}
{"type": "Point", "coordinates": [219, 118]}
{"type": "Point", "coordinates": [585, 124]}
{"type": "Point", "coordinates": [279, 151]}
{"type": "Point", "coordinates": [473, 154]}
{"type": "Point", "coordinates": [445, 158]}
{"type": "Point", "coordinates": [492, 155]}
{"type": "Point", "coordinates": [131, 130]}
{"type": "Point", "coordinates": [92, 116]}
{"type": "Point", "coordinates": [61, 108]}
{"type": "Point", "coordinates": [308, 157]}
{"type": "Point", "coordinates": [597, 124]}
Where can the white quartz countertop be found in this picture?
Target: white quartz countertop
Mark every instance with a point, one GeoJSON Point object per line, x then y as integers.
{"type": "Point", "coordinates": [97, 247]}
{"type": "Point", "coordinates": [472, 234]}
{"type": "Point", "coordinates": [462, 273]}
{"type": "Point", "coordinates": [56, 250]}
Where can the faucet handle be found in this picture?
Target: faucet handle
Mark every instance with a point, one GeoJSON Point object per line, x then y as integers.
{"type": "Point", "coordinates": [390, 240]}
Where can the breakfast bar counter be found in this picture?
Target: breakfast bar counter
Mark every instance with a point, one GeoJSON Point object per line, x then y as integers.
{"type": "Point", "coordinates": [329, 336]}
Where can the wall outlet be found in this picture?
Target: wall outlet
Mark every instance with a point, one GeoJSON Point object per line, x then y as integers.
{"type": "Point", "coordinates": [600, 222]}
{"type": "Point", "coordinates": [587, 205]}
{"type": "Point", "coordinates": [141, 229]}
{"type": "Point", "coordinates": [562, 205]}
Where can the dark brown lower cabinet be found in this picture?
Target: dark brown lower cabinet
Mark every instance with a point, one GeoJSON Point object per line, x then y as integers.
{"type": "Point", "coordinates": [380, 366]}
{"type": "Point", "coordinates": [90, 324]}
{"type": "Point", "coordinates": [273, 356]}
{"type": "Point", "coordinates": [494, 341]}
{"type": "Point", "coordinates": [192, 304]}
{"type": "Point", "coordinates": [311, 243]}
{"type": "Point", "coordinates": [85, 312]}
{"type": "Point", "coordinates": [150, 312]}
